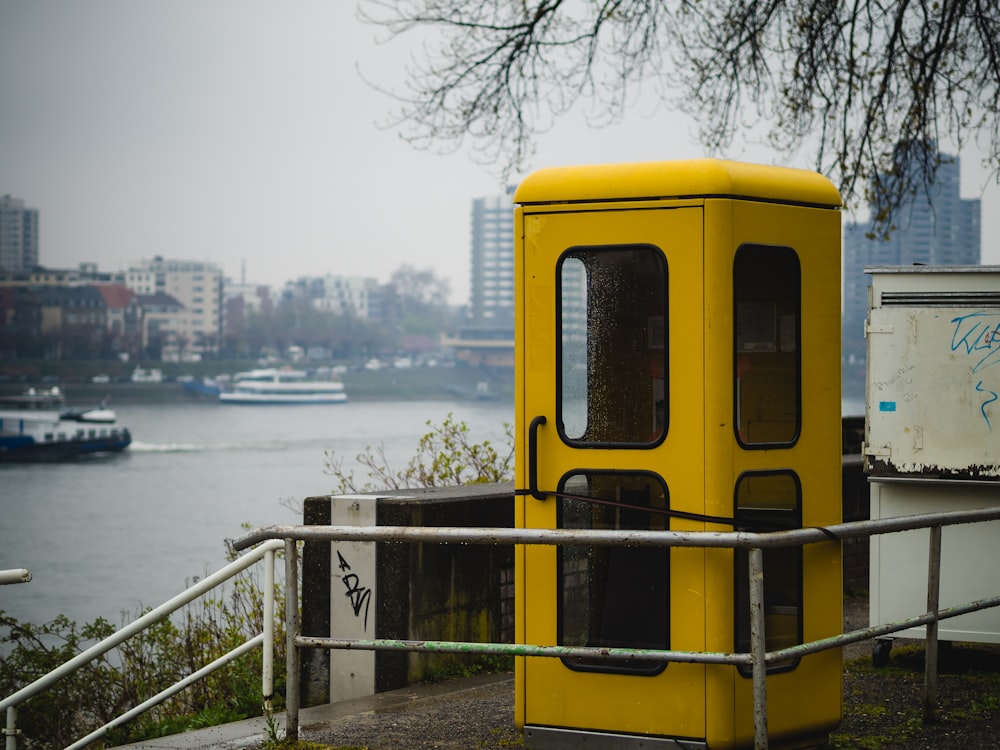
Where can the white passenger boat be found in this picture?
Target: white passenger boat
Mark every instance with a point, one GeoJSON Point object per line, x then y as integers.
{"type": "Point", "coordinates": [36, 426]}
{"type": "Point", "coordinates": [282, 386]}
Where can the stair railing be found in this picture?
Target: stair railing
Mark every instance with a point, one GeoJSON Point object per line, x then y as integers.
{"type": "Point", "coordinates": [265, 640]}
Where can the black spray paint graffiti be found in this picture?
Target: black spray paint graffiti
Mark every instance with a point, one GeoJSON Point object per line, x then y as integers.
{"type": "Point", "coordinates": [359, 596]}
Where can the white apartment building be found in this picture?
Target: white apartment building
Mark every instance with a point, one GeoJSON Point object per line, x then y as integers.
{"type": "Point", "coordinates": [341, 295]}
{"type": "Point", "coordinates": [197, 286]}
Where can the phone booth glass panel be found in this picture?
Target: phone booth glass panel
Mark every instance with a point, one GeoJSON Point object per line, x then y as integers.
{"type": "Point", "coordinates": [766, 285]}
{"type": "Point", "coordinates": [613, 596]}
{"type": "Point", "coordinates": [770, 501]}
{"type": "Point", "coordinates": [612, 308]}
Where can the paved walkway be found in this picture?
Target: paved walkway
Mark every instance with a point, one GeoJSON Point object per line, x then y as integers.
{"type": "Point", "coordinates": [319, 721]}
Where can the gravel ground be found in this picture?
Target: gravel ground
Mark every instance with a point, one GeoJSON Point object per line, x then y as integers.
{"type": "Point", "coordinates": [882, 708]}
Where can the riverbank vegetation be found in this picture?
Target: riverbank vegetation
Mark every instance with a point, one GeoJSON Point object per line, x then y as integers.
{"type": "Point", "coordinates": [446, 456]}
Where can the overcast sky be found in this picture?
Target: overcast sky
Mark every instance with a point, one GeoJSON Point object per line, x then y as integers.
{"type": "Point", "coordinates": [240, 132]}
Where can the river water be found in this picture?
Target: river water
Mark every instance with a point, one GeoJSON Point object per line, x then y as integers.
{"type": "Point", "coordinates": [128, 531]}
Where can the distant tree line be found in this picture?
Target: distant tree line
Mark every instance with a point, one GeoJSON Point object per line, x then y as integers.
{"type": "Point", "coordinates": [410, 313]}
{"type": "Point", "coordinates": [82, 323]}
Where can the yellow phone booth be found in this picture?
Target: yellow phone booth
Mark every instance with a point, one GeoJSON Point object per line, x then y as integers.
{"type": "Point", "coordinates": [678, 367]}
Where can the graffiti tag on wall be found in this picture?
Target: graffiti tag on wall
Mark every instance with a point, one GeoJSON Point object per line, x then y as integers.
{"type": "Point", "coordinates": [359, 596]}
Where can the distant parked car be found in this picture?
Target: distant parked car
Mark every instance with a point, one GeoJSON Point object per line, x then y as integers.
{"type": "Point", "coordinates": [101, 379]}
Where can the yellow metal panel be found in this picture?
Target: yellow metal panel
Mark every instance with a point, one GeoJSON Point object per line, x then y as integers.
{"type": "Point", "coordinates": [717, 372]}
{"type": "Point", "coordinates": [550, 693]}
{"type": "Point", "coordinates": [814, 234]}
{"type": "Point", "coordinates": [675, 179]}
{"type": "Point", "coordinates": [520, 439]}
{"type": "Point", "coordinates": [803, 706]}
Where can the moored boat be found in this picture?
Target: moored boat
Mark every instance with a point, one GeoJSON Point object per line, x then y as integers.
{"type": "Point", "coordinates": [36, 426]}
{"type": "Point", "coordinates": [282, 386]}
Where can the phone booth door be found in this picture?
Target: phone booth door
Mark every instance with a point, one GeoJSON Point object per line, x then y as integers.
{"type": "Point", "coordinates": [613, 408]}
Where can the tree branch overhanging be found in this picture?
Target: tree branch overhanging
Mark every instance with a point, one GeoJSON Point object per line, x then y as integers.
{"type": "Point", "coordinates": [869, 86]}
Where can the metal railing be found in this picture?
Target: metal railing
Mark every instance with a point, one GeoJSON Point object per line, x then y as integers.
{"type": "Point", "coordinates": [263, 640]}
{"type": "Point", "coordinates": [276, 537]}
{"type": "Point", "coordinates": [755, 543]}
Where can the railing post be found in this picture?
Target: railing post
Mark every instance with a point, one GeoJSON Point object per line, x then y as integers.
{"type": "Point", "coordinates": [758, 648]}
{"type": "Point", "coordinates": [291, 633]}
{"type": "Point", "coordinates": [931, 647]}
{"type": "Point", "coordinates": [11, 730]}
{"type": "Point", "coordinates": [267, 676]}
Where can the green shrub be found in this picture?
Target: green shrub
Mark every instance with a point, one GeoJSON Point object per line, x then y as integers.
{"type": "Point", "coordinates": [446, 456]}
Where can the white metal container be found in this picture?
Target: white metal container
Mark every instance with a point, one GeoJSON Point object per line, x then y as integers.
{"type": "Point", "coordinates": [934, 372]}
{"type": "Point", "coordinates": [970, 559]}
{"type": "Point", "coordinates": [933, 437]}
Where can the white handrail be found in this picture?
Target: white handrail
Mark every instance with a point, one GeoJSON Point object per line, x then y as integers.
{"type": "Point", "coordinates": [265, 551]}
{"type": "Point", "coordinates": [157, 699]}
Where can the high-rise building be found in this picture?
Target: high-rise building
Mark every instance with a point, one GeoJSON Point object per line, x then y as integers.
{"type": "Point", "coordinates": [934, 228]}
{"type": "Point", "coordinates": [491, 298]}
{"type": "Point", "coordinates": [18, 235]}
{"type": "Point", "coordinates": [487, 338]}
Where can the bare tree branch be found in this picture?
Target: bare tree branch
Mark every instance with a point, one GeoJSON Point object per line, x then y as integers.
{"type": "Point", "coordinates": [870, 86]}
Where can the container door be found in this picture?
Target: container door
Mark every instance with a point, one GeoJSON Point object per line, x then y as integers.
{"type": "Point", "coordinates": [933, 392]}
{"type": "Point", "coordinates": [613, 419]}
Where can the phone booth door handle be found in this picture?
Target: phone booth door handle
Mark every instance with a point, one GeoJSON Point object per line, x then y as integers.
{"type": "Point", "coordinates": [533, 457]}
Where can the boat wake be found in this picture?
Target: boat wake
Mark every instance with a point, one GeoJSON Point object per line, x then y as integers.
{"type": "Point", "coordinates": [140, 447]}
{"type": "Point", "coordinates": [270, 445]}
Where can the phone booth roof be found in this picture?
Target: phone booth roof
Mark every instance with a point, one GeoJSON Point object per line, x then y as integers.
{"type": "Point", "coordinates": [664, 180]}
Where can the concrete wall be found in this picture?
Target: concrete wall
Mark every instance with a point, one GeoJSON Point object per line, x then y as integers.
{"type": "Point", "coordinates": [412, 591]}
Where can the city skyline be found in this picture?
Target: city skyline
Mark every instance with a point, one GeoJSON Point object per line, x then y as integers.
{"type": "Point", "coordinates": [254, 135]}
